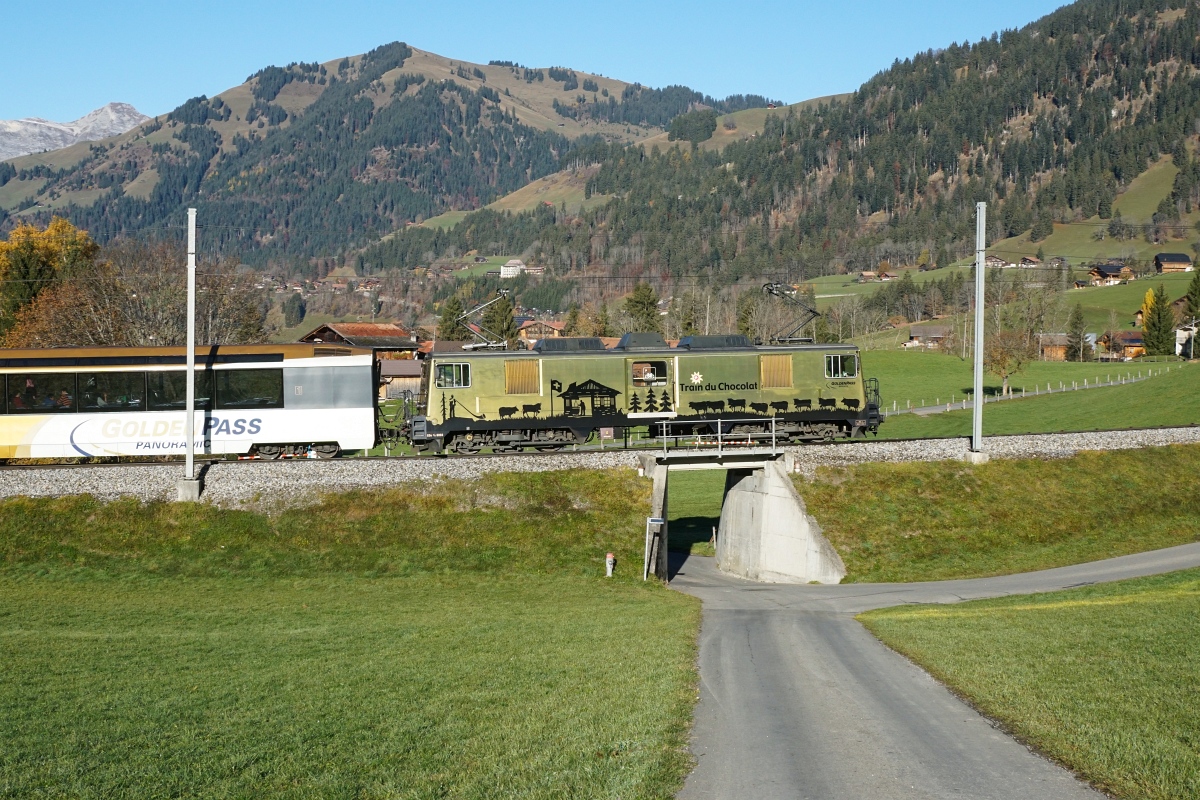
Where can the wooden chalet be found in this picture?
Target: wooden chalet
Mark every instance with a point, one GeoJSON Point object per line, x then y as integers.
{"type": "Point", "coordinates": [1122, 345]}
{"type": "Point", "coordinates": [535, 330]}
{"type": "Point", "coordinates": [929, 337]}
{"type": "Point", "coordinates": [1109, 274]}
{"type": "Point", "coordinates": [382, 337]}
{"type": "Point", "coordinates": [1172, 262]}
{"type": "Point", "coordinates": [1053, 346]}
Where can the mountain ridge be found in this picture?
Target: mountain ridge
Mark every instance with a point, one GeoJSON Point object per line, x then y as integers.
{"type": "Point", "coordinates": [33, 134]}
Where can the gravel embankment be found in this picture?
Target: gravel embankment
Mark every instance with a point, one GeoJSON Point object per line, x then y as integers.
{"type": "Point", "coordinates": [1048, 445]}
{"type": "Point", "coordinates": [269, 484]}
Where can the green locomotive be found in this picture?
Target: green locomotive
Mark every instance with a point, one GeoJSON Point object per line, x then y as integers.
{"type": "Point", "coordinates": [565, 390]}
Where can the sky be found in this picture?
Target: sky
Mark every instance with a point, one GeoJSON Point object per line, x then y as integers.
{"type": "Point", "coordinates": [80, 55]}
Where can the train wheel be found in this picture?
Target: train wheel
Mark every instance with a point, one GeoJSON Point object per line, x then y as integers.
{"type": "Point", "coordinates": [268, 451]}
{"type": "Point", "coordinates": [465, 447]}
{"type": "Point", "coordinates": [548, 448]}
{"type": "Point", "coordinates": [326, 450]}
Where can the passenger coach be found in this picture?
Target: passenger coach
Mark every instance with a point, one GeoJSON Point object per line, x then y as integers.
{"type": "Point", "coordinates": [265, 400]}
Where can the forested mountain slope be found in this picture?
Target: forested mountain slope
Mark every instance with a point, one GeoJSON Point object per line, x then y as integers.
{"type": "Point", "coordinates": [312, 160]}
{"type": "Point", "coordinates": [1047, 123]}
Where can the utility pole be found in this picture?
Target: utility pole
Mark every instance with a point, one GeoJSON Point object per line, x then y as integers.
{"type": "Point", "coordinates": [977, 456]}
{"type": "Point", "coordinates": [189, 487]}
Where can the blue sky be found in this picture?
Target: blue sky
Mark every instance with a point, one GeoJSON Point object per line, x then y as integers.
{"type": "Point", "coordinates": [66, 61]}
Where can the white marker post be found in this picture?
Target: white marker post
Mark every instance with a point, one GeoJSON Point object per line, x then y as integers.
{"type": "Point", "coordinates": [977, 456]}
{"type": "Point", "coordinates": [189, 488]}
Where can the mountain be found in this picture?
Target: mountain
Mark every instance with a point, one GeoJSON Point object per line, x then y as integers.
{"type": "Point", "coordinates": [33, 135]}
{"type": "Point", "coordinates": [303, 164]}
{"type": "Point", "coordinates": [1049, 124]}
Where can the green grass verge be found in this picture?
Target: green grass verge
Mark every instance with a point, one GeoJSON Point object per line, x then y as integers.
{"type": "Point", "coordinates": [1165, 399]}
{"type": "Point", "coordinates": [944, 520]}
{"type": "Point", "coordinates": [927, 378]}
{"type": "Point", "coordinates": [1102, 679]}
{"type": "Point", "coordinates": [694, 508]}
{"type": "Point", "coordinates": [449, 641]}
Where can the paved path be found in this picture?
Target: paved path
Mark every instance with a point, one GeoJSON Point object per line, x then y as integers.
{"type": "Point", "coordinates": [798, 700]}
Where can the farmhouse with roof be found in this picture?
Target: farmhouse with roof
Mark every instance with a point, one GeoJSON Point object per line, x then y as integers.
{"type": "Point", "coordinates": [1172, 262]}
{"type": "Point", "coordinates": [1109, 274]}
{"type": "Point", "coordinates": [385, 336]}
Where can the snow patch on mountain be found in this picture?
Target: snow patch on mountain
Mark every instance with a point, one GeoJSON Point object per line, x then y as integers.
{"type": "Point", "coordinates": [33, 135]}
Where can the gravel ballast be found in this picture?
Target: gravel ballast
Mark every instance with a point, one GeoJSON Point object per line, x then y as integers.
{"type": "Point", "coordinates": [232, 483]}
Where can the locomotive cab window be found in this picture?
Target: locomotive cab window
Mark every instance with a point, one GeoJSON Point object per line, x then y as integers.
{"type": "Point", "coordinates": [841, 366]}
{"type": "Point", "coordinates": [649, 373]}
{"type": "Point", "coordinates": [452, 376]}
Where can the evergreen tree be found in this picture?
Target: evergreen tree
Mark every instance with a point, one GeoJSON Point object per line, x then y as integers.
{"type": "Point", "coordinates": [294, 308]}
{"type": "Point", "coordinates": [449, 326]}
{"type": "Point", "coordinates": [1158, 326]}
{"type": "Point", "coordinates": [651, 401]}
{"type": "Point", "coordinates": [635, 403]}
{"type": "Point", "coordinates": [642, 307]}
{"type": "Point", "coordinates": [571, 328]}
{"type": "Point", "coordinates": [665, 403]}
{"type": "Point", "coordinates": [498, 321]}
{"type": "Point", "coordinates": [1193, 297]}
{"type": "Point", "coordinates": [1078, 348]}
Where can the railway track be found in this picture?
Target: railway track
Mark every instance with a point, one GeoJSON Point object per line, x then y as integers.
{"type": "Point", "coordinates": [590, 450]}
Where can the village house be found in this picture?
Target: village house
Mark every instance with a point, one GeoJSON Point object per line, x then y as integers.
{"type": "Point", "coordinates": [382, 337]}
{"type": "Point", "coordinates": [398, 376]}
{"type": "Point", "coordinates": [1109, 274]}
{"type": "Point", "coordinates": [534, 330]}
{"type": "Point", "coordinates": [1172, 262]}
{"type": "Point", "coordinates": [868, 277]}
{"type": "Point", "coordinates": [1122, 345]}
{"type": "Point", "coordinates": [512, 268]}
{"type": "Point", "coordinates": [929, 337]}
{"type": "Point", "coordinates": [1029, 262]}
{"type": "Point", "coordinates": [887, 276]}
{"type": "Point", "coordinates": [996, 262]}
{"type": "Point", "coordinates": [1052, 346]}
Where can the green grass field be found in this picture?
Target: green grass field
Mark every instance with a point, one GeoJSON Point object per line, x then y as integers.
{"type": "Point", "coordinates": [945, 520]}
{"type": "Point", "coordinates": [694, 509]}
{"type": "Point", "coordinates": [457, 640]}
{"type": "Point", "coordinates": [929, 378]}
{"type": "Point", "coordinates": [1165, 399]}
{"type": "Point", "coordinates": [1102, 678]}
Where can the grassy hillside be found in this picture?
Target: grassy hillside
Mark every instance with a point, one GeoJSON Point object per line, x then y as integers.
{"type": "Point", "coordinates": [456, 639]}
{"type": "Point", "coordinates": [1099, 678]}
{"type": "Point", "coordinates": [747, 124]}
{"type": "Point", "coordinates": [1166, 399]}
{"type": "Point", "coordinates": [561, 188]}
{"type": "Point", "coordinates": [944, 520]}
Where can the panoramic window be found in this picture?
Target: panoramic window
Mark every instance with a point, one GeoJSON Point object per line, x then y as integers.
{"type": "Point", "coordinates": [112, 391]}
{"type": "Point", "coordinates": [167, 390]}
{"type": "Point", "coordinates": [249, 388]}
{"type": "Point", "coordinates": [649, 373]}
{"type": "Point", "coordinates": [453, 376]}
{"type": "Point", "coordinates": [41, 393]}
{"type": "Point", "coordinates": [841, 366]}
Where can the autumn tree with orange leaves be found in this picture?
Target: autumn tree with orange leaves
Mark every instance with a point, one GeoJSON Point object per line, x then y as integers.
{"type": "Point", "coordinates": [130, 293]}
{"type": "Point", "coordinates": [33, 260]}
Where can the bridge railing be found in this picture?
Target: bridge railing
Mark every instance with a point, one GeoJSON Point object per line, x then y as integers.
{"type": "Point", "coordinates": [723, 438]}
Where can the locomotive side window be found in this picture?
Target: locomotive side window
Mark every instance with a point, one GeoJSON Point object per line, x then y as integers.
{"type": "Point", "coordinates": [776, 371]}
{"type": "Point", "coordinates": [841, 366]}
{"type": "Point", "coordinates": [250, 388]}
{"type": "Point", "coordinates": [41, 393]}
{"type": "Point", "coordinates": [168, 390]}
{"type": "Point", "coordinates": [112, 391]}
{"type": "Point", "coordinates": [453, 376]}
{"type": "Point", "coordinates": [649, 373]}
{"type": "Point", "coordinates": [520, 376]}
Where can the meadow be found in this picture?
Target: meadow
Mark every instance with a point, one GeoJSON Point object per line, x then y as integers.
{"type": "Point", "coordinates": [1101, 678]}
{"type": "Point", "coordinates": [947, 520]}
{"type": "Point", "coordinates": [453, 640]}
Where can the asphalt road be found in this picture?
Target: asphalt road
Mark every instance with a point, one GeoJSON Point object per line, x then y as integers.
{"type": "Point", "coordinates": [798, 700]}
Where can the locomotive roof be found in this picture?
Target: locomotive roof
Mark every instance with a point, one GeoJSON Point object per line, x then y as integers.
{"type": "Point", "coordinates": [639, 353]}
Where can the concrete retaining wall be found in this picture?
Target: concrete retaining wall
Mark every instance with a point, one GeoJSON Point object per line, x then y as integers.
{"type": "Point", "coordinates": [767, 535]}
